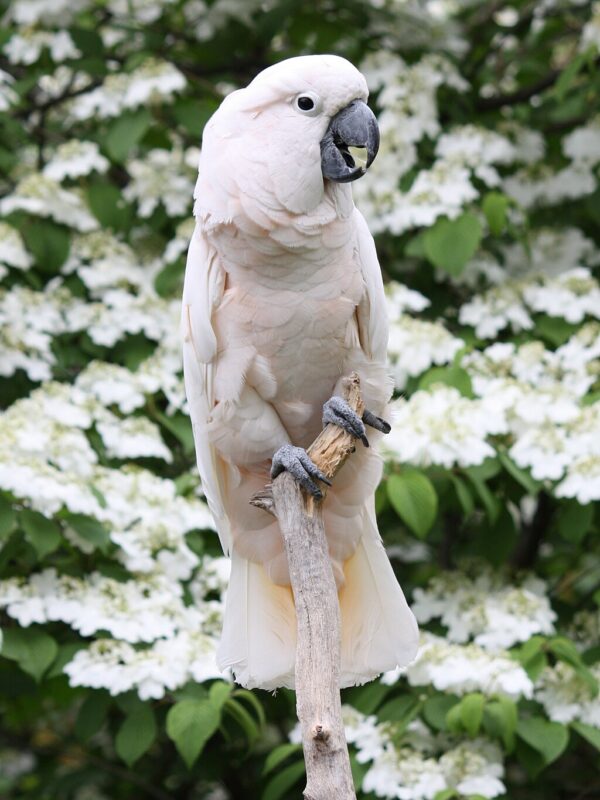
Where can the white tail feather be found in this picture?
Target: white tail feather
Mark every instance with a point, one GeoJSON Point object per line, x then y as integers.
{"type": "Point", "coordinates": [259, 629]}
{"type": "Point", "coordinates": [379, 631]}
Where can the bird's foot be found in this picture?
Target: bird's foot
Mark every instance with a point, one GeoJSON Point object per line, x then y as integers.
{"type": "Point", "coordinates": [296, 461]}
{"type": "Point", "coordinates": [339, 412]}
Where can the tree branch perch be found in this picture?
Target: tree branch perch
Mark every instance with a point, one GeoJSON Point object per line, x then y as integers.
{"type": "Point", "coordinates": [318, 647]}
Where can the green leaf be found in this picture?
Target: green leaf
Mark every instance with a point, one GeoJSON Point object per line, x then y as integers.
{"type": "Point", "coordinates": [436, 708]}
{"type": "Point", "coordinates": [252, 699]}
{"type": "Point", "coordinates": [108, 206]}
{"type": "Point", "coordinates": [575, 520]}
{"type": "Point", "coordinates": [190, 724]}
{"type": "Point", "coordinates": [280, 754]}
{"type": "Point", "coordinates": [194, 114]}
{"type": "Point", "coordinates": [89, 42]}
{"type": "Point", "coordinates": [445, 794]}
{"type": "Point", "coordinates": [522, 476]}
{"type": "Point", "coordinates": [126, 132]}
{"type": "Point", "coordinates": [568, 75]}
{"type": "Point", "coordinates": [89, 529]}
{"type": "Point", "coordinates": [400, 710]}
{"type": "Point", "coordinates": [494, 207]}
{"type": "Point", "coordinates": [218, 693]}
{"type": "Point", "coordinates": [450, 376]}
{"type": "Point", "coordinates": [284, 781]}
{"type": "Point", "coordinates": [415, 247]}
{"type": "Point", "coordinates": [92, 714]}
{"type": "Point", "coordinates": [554, 330]}
{"type": "Point", "coordinates": [465, 498]}
{"type": "Point", "coordinates": [589, 733]}
{"type": "Point", "coordinates": [32, 648]}
{"type": "Point", "coordinates": [500, 720]}
{"type": "Point", "coordinates": [243, 719]}
{"type": "Point", "coordinates": [549, 739]}
{"type": "Point", "coordinates": [414, 499]}
{"type": "Point", "coordinates": [471, 712]}
{"type": "Point", "coordinates": [48, 242]}
{"type": "Point", "coordinates": [136, 735]}
{"type": "Point", "coordinates": [449, 244]}
{"type": "Point", "coordinates": [367, 698]}
{"type": "Point", "coordinates": [8, 519]}
{"type": "Point", "coordinates": [490, 502]}
{"type": "Point", "coordinates": [566, 651]}
{"type": "Point", "coordinates": [181, 427]}
{"type": "Point", "coordinates": [42, 533]}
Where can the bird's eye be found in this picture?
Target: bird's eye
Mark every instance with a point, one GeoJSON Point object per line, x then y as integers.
{"type": "Point", "coordinates": [308, 104]}
{"type": "Point", "coordinates": [305, 103]}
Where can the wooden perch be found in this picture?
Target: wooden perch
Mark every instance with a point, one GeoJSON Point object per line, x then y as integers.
{"type": "Point", "coordinates": [318, 704]}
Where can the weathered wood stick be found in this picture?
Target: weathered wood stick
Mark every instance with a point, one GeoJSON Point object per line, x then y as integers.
{"type": "Point", "coordinates": [318, 647]}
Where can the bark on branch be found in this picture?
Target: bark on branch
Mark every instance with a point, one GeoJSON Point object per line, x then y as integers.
{"type": "Point", "coordinates": [318, 701]}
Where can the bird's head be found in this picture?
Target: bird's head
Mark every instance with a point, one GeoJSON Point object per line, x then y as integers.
{"type": "Point", "coordinates": [305, 121]}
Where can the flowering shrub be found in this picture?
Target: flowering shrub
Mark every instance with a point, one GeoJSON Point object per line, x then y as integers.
{"type": "Point", "coordinates": [485, 201]}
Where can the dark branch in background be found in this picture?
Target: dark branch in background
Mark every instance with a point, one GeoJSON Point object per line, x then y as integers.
{"type": "Point", "coordinates": [528, 546]}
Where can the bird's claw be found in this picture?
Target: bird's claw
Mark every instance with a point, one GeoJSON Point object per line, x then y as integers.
{"type": "Point", "coordinates": [339, 412]}
{"type": "Point", "coordinates": [376, 422]}
{"type": "Point", "coordinates": [296, 461]}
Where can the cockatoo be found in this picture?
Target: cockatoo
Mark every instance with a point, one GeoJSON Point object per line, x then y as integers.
{"type": "Point", "coordinates": [283, 297]}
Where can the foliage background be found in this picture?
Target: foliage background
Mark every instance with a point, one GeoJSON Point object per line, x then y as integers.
{"type": "Point", "coordinates": [486, 203]}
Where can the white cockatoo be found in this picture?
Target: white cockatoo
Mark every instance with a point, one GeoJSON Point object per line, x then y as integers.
{"type": "Point", "coordinates": [283, 297]}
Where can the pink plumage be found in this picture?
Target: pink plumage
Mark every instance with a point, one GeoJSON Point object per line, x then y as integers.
{"type": "Point", "coordinates": [283, 296]}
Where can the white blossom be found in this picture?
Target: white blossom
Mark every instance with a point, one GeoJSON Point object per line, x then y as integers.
{"type": "Point", "coordinates": [493, 614]}
{"type": "Point", "coordinates": [566, 696]}
{"type": "Point", "coordinates": [12, 248]}
{"type": "Point", "coordinates": [26, 47]}
{"type": "Point", "coordinates": [43, 197]}
{"type": "Point", "coordinates": [442, 427]}
{"type": "Point", "coordinates": [73, 159]}
{"type": "Point", "coordinates": [152, 82]}
{"type": "Point", "coordinates": [162, 176]}
{"type": "Point", "coordinates": [415, 345]}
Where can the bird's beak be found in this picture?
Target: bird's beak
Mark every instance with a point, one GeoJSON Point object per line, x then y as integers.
{"type": "Point", "coordinates": [350, 143]}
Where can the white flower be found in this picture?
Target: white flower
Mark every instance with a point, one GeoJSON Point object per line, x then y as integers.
{"type": "Point", "coordinates": [493, 614]}
{"type": "Point", "coordinates": [572, 296]}
{"type": "Point", "coordinates": [400, 298]}
{"type": "Point", "coordinates": [440, 427]}
{"type": "Point", "coordinates": [12, 249]}
{"type": "Point", "coordinates": [73, 159]}
{"type": "Point", "coordinates": [464, 668]}
{"type": "Point", "coordinates": [495, 309]}
{"type": "Point", "coordinates": [540, 186]}
{"type": "Point", "coordinates": [26, 46]}
{"type": "Point", "coordinates": [152, 82]}
{"type": "Point", "coordinates": [566, 696]}
{"type": "Point", "coordinates": [8, 96]}
{"type": "Point", "coordinates": [162, 176]}
{"type": "Point", "coordinates": [590, 36]}
{"type": "Point", "coordinates": [39, 195]}
{"type": "Point", "coordinates": [582, 481]}
{"type": "Point", "coordinates": [414, 345]}
{"type": "Point", "coordinates": [45, 12]}
{"type": "Point", "coordinates": [132, 437]}
{"type": "Point", "coordinates": [583, 144]}
{"type": "Point", "coordinates": [143, 11]}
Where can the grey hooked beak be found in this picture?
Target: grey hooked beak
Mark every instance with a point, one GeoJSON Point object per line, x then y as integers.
{"type": "Point", "coordinates": [350, 144]}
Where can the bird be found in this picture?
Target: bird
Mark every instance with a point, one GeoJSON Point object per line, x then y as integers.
{"type": "Point", "coordinates": [283, 296]}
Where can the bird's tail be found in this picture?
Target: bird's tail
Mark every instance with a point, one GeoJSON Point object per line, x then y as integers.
{"type": "Point", "coordinates": [379, 631]}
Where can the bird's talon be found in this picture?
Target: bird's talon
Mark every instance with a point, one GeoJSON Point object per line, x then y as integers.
{"type": "Point", "coordinates": [376, 422]}
{"type": "Point", "coordinates": [296, 461]}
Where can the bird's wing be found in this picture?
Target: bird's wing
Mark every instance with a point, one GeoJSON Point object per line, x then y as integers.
{"type": "Point", "coordinates": [203, 290]}
{"type": "Point", "coordinates": [372, 312]}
